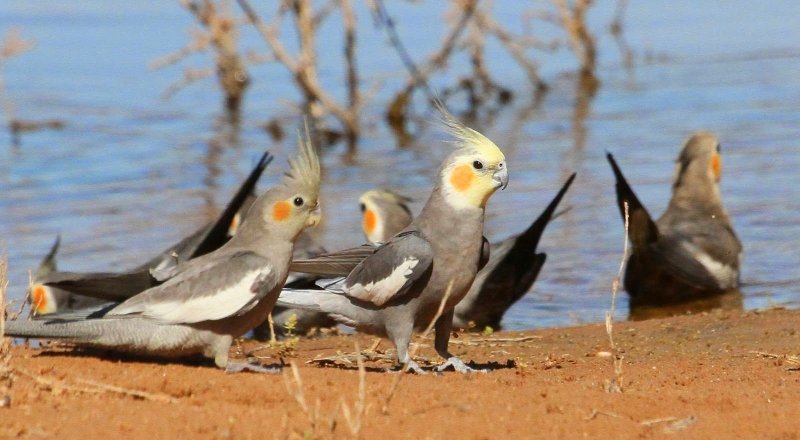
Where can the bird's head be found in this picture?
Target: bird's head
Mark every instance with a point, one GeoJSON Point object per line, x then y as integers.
{"type": "Point", "coordinates": [293, 205]}
{"type": "Point", "coordinates": [472, 173]}
{"type": "Point", "coordinates": [380, 209]}
{"type": "Point", "coordinates": [699, 160]}
{"type": "Point", "coordinates": [41, 298]}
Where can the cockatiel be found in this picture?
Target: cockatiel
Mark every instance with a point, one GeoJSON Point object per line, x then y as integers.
{"type": "Point", "coordinates": [210, 300]}
{"type": "Point", "coordinates": [53, 291]}
{"type": "Point", "coordinates": [691, 251]}
{"type": "Point", "coordinates": [509, 274]}
{"type": "Point", "coordinates": [398, 287]}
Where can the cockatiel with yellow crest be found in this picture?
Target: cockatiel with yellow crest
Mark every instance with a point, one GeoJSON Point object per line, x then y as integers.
{"type": "Point", "coordinates": [207, 301]}
{"type": "Point", "coordinates": [398, 287]}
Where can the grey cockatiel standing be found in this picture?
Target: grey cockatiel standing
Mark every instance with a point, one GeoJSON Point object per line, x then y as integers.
{"type": "Point", "coordinates": [513, 263]}
{"type": "Point", "coordinates": [512, 267]}
{"type": "Point", "coordinates": [53, 291]}
{"type": "Point", "coordinates": [210, 300]}
{"type": "Point", "coordinates": [691, 250]}
{"type": "Point", "coordinates": [397, 288]}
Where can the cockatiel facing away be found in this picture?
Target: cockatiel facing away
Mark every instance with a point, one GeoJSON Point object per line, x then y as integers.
{"type": "Point", "coordinates": [210, 300]}
{"type": "Point", "coordinates": [692, 250]}
{"type": "Point", "coordinates": [509, 274]}
{"type": "Point", "coordinates": [398, 287]}
{"type": "Point", "coordinates": [53, 291]}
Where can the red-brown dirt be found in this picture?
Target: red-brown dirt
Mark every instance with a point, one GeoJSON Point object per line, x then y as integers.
{"type": "Point", "coordinates": [693, 376]}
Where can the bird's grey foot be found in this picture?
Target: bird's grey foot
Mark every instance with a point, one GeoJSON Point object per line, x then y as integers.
{"type": "Point", "coordinates": [410, 366]}
{"type": "Point", "coordinates": [458, 365]}
{"type": "Point", "coordinates": [238, 367]}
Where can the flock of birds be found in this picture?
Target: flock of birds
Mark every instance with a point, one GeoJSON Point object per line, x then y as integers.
{"type": "Point", "coordinates": [434, 269]}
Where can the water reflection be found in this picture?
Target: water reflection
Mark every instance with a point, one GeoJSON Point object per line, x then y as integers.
{"type": "Point", "coordinates": [729, 300]}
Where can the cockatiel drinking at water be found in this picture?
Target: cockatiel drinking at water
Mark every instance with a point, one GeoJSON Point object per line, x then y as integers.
{"type": "Point", "coordinates": [398, 287]}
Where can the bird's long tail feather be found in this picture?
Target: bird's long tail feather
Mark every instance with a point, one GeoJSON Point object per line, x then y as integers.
{"type": "Point", "coordinates": [642, 229]}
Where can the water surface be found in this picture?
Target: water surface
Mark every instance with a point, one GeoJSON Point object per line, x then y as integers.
{"type": "Point", "coordinates": [130, 173]}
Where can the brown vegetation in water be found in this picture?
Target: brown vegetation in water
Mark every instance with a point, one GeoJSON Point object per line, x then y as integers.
{"type": "Point", "coordinates": [469, 24]}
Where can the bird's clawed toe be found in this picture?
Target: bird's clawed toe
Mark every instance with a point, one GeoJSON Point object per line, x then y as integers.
{"type": "Point", "coordinates": [238, 367]}
{"type": "Point", "coordinates": [457, 365]}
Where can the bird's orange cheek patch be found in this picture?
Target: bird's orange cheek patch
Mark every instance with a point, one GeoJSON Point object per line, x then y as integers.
{"type": "Point", "coordinates": [369, 221]}
{"type": "Point", "coordinates": [281, 211]}
{"type": "Point", "coordinates": [716, 166]}
{"type": "Point", "coordinates": [39, 298]}
{"type": "Point", "coordinates": [462, 177]}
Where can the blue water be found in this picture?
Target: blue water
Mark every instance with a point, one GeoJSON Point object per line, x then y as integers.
{"type": "Point", "coordinates": [131, 173]}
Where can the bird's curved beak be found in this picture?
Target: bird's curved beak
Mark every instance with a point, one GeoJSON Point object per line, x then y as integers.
{"type": "Point", "coordinates": [315, 216]}
{"type": "Point", "coordinates": [501, 176]}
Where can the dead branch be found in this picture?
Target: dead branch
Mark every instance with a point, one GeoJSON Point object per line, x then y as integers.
{"type": "Point", "coordinates": [302, 66]}
{"type": "Point", "coordinates": [573, 20]}
{"type": "Point", "coordinates": [199, 42]}
{"type": "Point", "coordinates": [190, 76]}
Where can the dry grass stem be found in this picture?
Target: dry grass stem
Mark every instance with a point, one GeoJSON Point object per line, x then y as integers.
{"type": "Point", "coordinates": [355, 417]}
{"type": "Point", "coordinates": [477, 341]}
{"type": "Point", "coordinates": [325, 426]}
{"type": "Point", "coordinates": [596, 412]}
{"type": "Point", "coordinates": [6, 373]}
{"type": "Point", "coordinates": [52, 384]}
{"type": "Point", "coordinates": [615, 384]}
{"type": "Point", "coordinates": [792, 361]}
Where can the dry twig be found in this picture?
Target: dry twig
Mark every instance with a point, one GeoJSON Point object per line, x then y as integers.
{"type": "Point", "coordinates": [94, 387]}
{"type": "Point", "coordinates": [792, 360]}
{"type": "Point", "coordinates": [615, 384]}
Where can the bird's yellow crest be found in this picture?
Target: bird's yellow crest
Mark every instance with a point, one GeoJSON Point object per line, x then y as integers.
{"type": "Point", "coordinates": [469, 139]}
{"type": "Point", "coordinates": [477, 168]}
{"type": "Point", "coordinates": [304, 170]}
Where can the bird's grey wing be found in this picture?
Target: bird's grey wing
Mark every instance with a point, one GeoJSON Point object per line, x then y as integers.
{"type": "Point", "coordinates": [699, 260]}
{"type": "Point", "coordinates": [390, 271]}
{"type": "Point", "coordinates": [339, 263]}
{"type": "Point", "coordinates": [107, 286]}
{"type": "Point", "coordinates": [205, 289]}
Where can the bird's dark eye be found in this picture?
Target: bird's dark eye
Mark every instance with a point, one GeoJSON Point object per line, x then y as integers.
{"type": "Point", "coordinates": [478, 165]}
{"type": "Point", "coordinates": [298, 201]}
{"type": "Point", "coordinates": [363, 207]}
{"type": "Point", "coordinates": [719, 147]}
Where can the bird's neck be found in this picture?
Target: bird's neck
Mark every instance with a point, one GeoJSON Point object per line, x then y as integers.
{"type": "Point", "coordinates": [443, 219]}
{"type": "Point", "coordinates": [263, 240]}
{"type": "Point", "coordinates": [702, 197]}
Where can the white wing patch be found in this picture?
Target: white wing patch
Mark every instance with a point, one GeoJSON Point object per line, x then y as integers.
{"type": "Point", "coordinates": [220, 304]}
{"type": "Point", "coordinates": [381, 291]}
{"type": "Point", "coordinates": [725, 275]}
